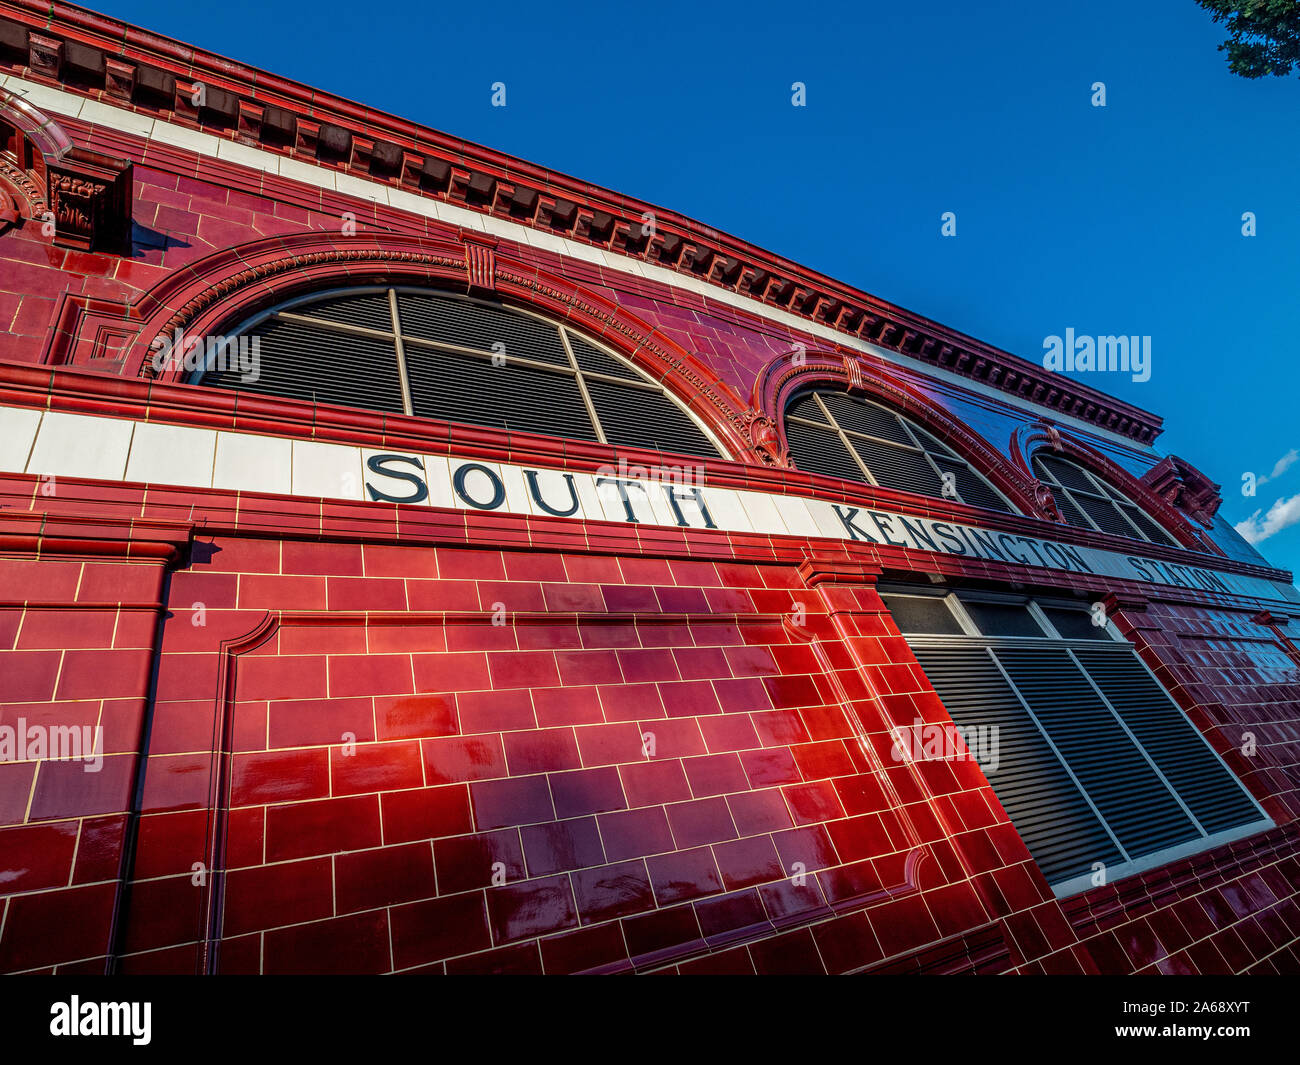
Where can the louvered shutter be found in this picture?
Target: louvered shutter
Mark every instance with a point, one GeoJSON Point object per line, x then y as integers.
{"type": "Point", "coordinates": [462, 388]}
{"type": "Point", "coordinates": [479, 326]}
{"type": "Point", "coordinates": [299, 361]}
{"type": "Point", "coordinates": [821, 451]}
{"type": "Point", "coordinates": [859, 416]}
{"type": "Point", "coordinates": [900, 468]}
{"type": "Point", "coordinates": [971, 486]}
{"type": "Point", "coordinates": [642, 417]}
{"type": "Point", "coordinates": [1139, 809]}
{"type": "Point", "coordinates": [593, 360]}
{"type": "Point", "coordinates": [1049, 812]}
{"type": "Point", "coordinates": [1216, 800]}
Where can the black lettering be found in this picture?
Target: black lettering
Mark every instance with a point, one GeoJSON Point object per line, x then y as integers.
{"type": "Point", "coordinates": [944, 531]}
{"type": "Point", "coordinates": [918, 534]}
{"type": "Point", "coordinates": [694, 494]}
{"type": "Point", "coordinates": [376, 465]}
{"type": "Point", "coordinates": [1033, 546]}
{"type": "Point", "coordinates": [854, 532]}
{"type": "Point", "coordinates": [1139, 565]}
{"type": "Point", "coordinates": [623, 486]}
{"type": "Point", "coordinates": [1072, 553]}
{"type": "Point", "coordinates": [498, 489]}
{"type": "Point", "coordinates": [1057, 555]}
{"type": "Point", "coordinates": [1006, 541]}
{"type": "Point", "coordinates": [535, 490]}
{"type": "Point", "coordinates": [986, 541]}
{"type": "Point", "coordinates": [882, 521]}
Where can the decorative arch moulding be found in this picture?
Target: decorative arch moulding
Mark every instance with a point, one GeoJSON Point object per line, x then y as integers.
{"type": "Point", "coordinates": [1028, 440]}
{"type": "Point", "coordinates": [874, 378]}
{"type": "Point", "coordinates": [152, 75]}
{"type": "Point", "coordinates": [212, 296]}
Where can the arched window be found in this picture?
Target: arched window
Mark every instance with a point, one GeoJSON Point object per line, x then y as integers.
{"type": "Point", "coordinates": [1087, 501]}
{"type": "Point", "coordinates": [845, 436]}
{"type": "Point", "coordinates": [457, 359]}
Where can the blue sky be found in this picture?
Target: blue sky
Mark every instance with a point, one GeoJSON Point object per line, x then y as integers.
{"type": "Point", "coordinates": [1123, 219]}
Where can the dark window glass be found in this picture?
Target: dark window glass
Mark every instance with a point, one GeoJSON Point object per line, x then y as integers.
{"type": "Point", "coordinates": [1075, 624]}
{"type": "Point", "coordinates": [922, 614]}
{"type": "Point", "coordinates": [466, 360]}
{"type": "Point", "coordinates": [1002, 619]}
{"type": "Point", "coordinates": [895, 452]}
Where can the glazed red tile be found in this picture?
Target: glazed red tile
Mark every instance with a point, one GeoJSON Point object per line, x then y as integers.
{"type": "Point", "coordinates": [635, 833]}
{"type": "Point", "coordinates": [440, 928]}
{"type": "Point", "coordinates": [272, 895]}
{"type": "Point", "coordinates": [600, 947]}
{"type": "Point", "coordinates": [541, 751]}
{"type": "Point", "coordinates": [425, 813]}
{"type": "Point", "coordinates": [522, 801]}
{"type": "Point", "coordinates": [313, 948]}
{"type": "Point", "coordinates": [700, 821]}
{"type": "Point", "coordinates": [303, 829]}
{"type": "Point", "coordinates": [587, 791]}
{"type": "Point", "coordinates": [376, 767]}
{"type": "Point", "coordinates": [34, 857]}
{"type": "Point", "coordinates": [465, 863]}
{"type": "Point", "coordinates": [684, 875]}
{"type": "Point", "coordinates": [534, 908]}
{"type": "Point", "coordinates": [714, 774]}
{"type": "Point", "coordinates": [561, 846]}
{"type": "Point", "coordinates": [612, 891]}
{"type": "Point", "coordinates": [383, 876]}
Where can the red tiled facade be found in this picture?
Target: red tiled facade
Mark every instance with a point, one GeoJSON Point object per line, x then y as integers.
{"type": "Point", "coordinates": [322, 753]}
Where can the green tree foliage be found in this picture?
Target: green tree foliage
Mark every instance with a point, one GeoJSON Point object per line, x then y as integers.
{"type": "Point", "coordinates": [1263, 35]}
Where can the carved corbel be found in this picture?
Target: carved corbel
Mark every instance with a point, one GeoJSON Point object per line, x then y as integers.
{"type": "Point", "coordinates": [90, 197]}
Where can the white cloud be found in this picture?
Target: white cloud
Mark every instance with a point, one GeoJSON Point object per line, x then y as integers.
{"type": "Point", "coordinates": [1281, 515]}
{"type": "Point", "coordinates": [1280, 466]}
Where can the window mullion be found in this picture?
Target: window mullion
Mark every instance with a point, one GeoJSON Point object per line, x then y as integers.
{"type": "Point", "coordinates": [844, 440]}
{"type": "Point", "coordinates": [1137, 743]}
{"type": "Point", "coordinates": [582, 387]}
{"type": "Point", "coordinates": [1059, 756]}
{"type": "Point", "coordinates": [401, 352]}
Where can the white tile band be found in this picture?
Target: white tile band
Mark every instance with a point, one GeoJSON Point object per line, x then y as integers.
{"type": "Point", "coordinates": [56, 444]}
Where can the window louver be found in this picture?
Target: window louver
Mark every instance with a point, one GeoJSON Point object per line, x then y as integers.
{"type": "Point", "coordinates": [1141, 812]}
{"type": "Point", "coordinates": [481, 327]}
{"type": "Point", "coordinates": [1094, 761]}
{"type": "Point", "coordinates": [865, 418]}
{"type": "Point", "coordinates": [1200, 779]}
{"type": "Point", "coordinates": [465, 360]}
{"type": "Point", "coordinates": [593, 360]}
{"type": "Point", "coordinates": [304, 362]}
{"type": "Point", "coordinates": [1089, 503]}
{"type": "Point", "coordinates": [637, 417]}
{"type": "Point", "coordinates": [821, 450]}
{"type": "Point", "coordinates": [513, 396]}
{"type": "Point", "coordinates": [826, 430]}
{"type": "Point", "coordinates": [898, 467]}
{"type": "Point", "coordinates": [1059, 828]}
